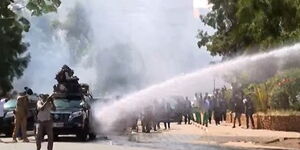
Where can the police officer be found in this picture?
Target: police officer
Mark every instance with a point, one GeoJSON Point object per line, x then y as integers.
{"type": "Point", "coordinates": [238, 110]}
{"type": "Point", "coordinates": [21, 112]}
{"type": "Point", "coordinates": [187, 111]}
{"type": "Point", "coordinates": [249, 111]}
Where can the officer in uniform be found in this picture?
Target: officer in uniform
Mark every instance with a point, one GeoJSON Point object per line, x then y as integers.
{"type": "Point", "coordinates": [21, 112]}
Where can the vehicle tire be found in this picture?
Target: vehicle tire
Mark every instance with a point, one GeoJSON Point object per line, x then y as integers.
{"type": "Point", "coordinates": [82, 136]}
{"type": "Point", "coordinates": [55, 137]}
{"type": "Point", "coordinates": [8, 133]}
{"type": "Point", "coordinates": [92, 136]}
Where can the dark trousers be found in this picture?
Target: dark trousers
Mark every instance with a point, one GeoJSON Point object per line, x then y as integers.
{"type": "Point", "coordinates": [249, 116]}
{"type": "Point", "coordinates": [179, 115]}
{"type": "Point", "coordinates": [187, 118]}
{"type": "Point", "coordinates": [156, 124]}
{"type": "Point", "coordinates": [217, 117]}
{"type": "Point", "coordinates": [205, 119]}
{"type": "Point", "coordinates": [1, 122]}
{"type": "Point", "coordinates": [223, 116]}
{"type": "Point", "coordinates": [209, 116]}
{"type": "Point", "coordinates": [44, 127]}
{"type": "Point", "coordinates": [167, 124]}
{"type": "Point", "coordinates": [237, 116]}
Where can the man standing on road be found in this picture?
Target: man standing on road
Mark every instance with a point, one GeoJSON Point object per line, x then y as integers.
{"type": "Point", "coordinates": [21, 112]}
{"type": "Point", "coordinates": [238, 110]}
{"type": "Point", "coordinates": [187, 111]}
{"type": "Point", "coordinates": [211, 107]}
{"type": "Point", "coordinates": [45, 123]}
{"type": "Point", "coordinates": [167, 116]}
{"type": "Point", "coordinates": [179, 109]}
{"type": "Point", "coordinates": [197, 109]}
{"type": "Point", "coordinates": [223, 107]}
{"type": "Point", "coordinates": [217, 110]}
{"type": "Point", "coordinates": [206, 105]}
{"type": "Point", "coordinates": [249, 111]}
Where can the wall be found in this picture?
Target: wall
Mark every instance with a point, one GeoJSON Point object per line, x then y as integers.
{"type": "Point", "coordinates": [278, 123]}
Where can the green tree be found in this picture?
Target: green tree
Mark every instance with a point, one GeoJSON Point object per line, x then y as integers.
{"type": "Point", "coordinates": [14, 58]}
{"type": "Point", "coordinates": [250, 25]}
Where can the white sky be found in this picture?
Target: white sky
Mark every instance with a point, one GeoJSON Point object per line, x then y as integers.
{"type": "Point", "coordinates": [200, 4]}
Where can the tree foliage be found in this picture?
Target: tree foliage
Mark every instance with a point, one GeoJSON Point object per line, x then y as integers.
{"type": "Point", "coordinates": [250, 25]}
{"type": "Point", "coordinates": [39, 7]}
{"type": "Point", "coordinates": [14, 58]}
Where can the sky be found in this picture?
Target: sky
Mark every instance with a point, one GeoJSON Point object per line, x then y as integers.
{"type": "Point", "coordinates": [201, 4]}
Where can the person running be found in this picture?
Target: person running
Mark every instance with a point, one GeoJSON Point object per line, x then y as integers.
{"type": "Point", "coordinates": [45, 123]}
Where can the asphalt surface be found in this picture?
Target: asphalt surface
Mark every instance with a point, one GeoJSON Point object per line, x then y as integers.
{"type": "Point", "coordinates": [134, 141]}
{"type": "Point", "coordinates": [178, 138]}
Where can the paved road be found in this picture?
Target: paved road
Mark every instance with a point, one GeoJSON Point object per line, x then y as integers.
{"type": "Point", "coordinates": [117, 143]}
{"type": "Point", "coordinates": [162, 140]}
{"type": "Point", "coordinates": [180, 137]}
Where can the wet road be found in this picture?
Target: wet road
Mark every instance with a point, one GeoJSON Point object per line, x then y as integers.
{"type": "Point", "coordinates": [161, 141]}
{"type": "Point", "coordinates": [147, 142]}
{"type": "Point", "coordinates": [180, 137]}
{"type": "Point", "coordinates": [174, 139]}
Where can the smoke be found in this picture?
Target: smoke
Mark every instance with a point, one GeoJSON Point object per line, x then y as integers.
{"type": "Point", "coordinates": [257, 67]}
{"type": "Point", "coordinates": [120, 47]}
{"type": "Point", "coordinates": [116, 46]}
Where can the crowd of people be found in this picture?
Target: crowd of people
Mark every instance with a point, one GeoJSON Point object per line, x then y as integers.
{"type": "Point", "coordinates": [215, 107]}
{"type": "Point", "coordinates": [202, 110]}
{"type": "Point", "coordinates": [157, 112]}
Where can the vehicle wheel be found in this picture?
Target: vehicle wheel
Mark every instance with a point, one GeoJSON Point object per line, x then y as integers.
{"type": "Point", "coordinates": [8, 133]}
{"type": "Point", "coordinates": [82, 136]}
{"type": "Point", "coordinates": [92, 136]}
{"type": "Point", "coordinates": [55, 137]}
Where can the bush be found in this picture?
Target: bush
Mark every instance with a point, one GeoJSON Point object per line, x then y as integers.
{"type": "Point", "coordinates": [279, 92]}
{"type": "Point", "coordinates": [287, 91]}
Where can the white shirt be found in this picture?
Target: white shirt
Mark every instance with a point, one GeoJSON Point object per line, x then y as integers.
{"type": "Point", "coordinates": [2, 102]}
{"type": "Point", "coordinates": [44, 115]}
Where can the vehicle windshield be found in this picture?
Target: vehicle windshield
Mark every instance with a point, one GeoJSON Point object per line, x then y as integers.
{"type": "Point", "coordinates": [10, 104]}
{"type": "Point", "coordinates": [66, 103]}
